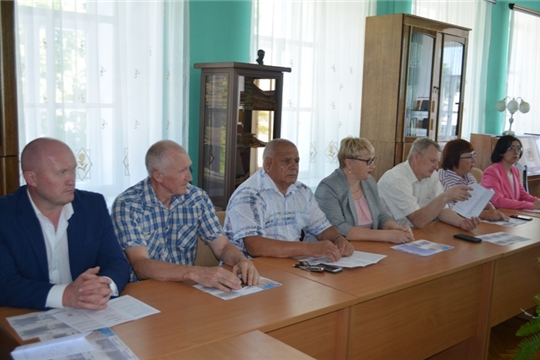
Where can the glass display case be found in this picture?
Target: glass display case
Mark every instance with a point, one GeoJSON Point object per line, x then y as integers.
{"type": "Point", "coordinates": [240, 112]}
{"type": "Point", "coordinates": [412, 84]}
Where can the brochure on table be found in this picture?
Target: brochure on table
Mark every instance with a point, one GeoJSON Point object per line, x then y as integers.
{"type": "Point", "coordinates": [502, 238]}
{"type": "Point", "coordinates": [264, 284]}
{"type": "Point", "coordinates": [422, 247]}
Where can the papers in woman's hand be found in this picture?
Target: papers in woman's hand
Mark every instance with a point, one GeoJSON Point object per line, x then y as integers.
{"type": "Point", "coordinates": [473, 206]}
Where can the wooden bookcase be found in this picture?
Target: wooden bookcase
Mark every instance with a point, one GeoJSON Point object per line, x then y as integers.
{"type": "Point", "coordinates": [240, 111]}
{"type": "Point", "coordinates": [412, 84]}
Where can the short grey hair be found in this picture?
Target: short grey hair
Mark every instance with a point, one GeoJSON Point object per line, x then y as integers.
{"type": "Point", "coordinates": [273, 145]}
{"type": "Point", "coordinates": [421, 145]}
{"type": "Point", "coordinates": [156, 156]}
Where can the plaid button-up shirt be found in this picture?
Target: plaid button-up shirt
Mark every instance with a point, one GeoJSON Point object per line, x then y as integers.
{"type": "Point", "coordinates": [140, 219]}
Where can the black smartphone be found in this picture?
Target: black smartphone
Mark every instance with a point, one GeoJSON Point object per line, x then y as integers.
{"type": "Point", "coordinates": [332, 269]}
{"type": "Point", "coordinates": [521, 217]}
{"type": "Point", "coordinates": [468, 238]}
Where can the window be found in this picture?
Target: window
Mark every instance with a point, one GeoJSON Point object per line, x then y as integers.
{"type": "Point", "coordinates": [98, 76]}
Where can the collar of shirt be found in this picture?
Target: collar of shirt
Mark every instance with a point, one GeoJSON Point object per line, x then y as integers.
{"type": "Point", "coordinates": [67, 210]}
{"type": "Point", "coordinates": [268, 184]}
{"type": "Point", "coordinates": [409, 173]}
{"type": "Point", "coordinates": [150, 198]}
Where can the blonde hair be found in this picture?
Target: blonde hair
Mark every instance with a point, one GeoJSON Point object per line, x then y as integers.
{"type": "Point", "coordinates": [352, 147]}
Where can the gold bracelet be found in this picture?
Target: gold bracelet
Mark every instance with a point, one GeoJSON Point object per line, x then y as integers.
{"type": "Point", "coordinates": [339, 236]}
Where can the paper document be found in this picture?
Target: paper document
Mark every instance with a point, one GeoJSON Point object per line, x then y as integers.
{"type": "Point", "coordinates": [357, 259]}
{"type": "Point", "coordinates": [474, 205]}
{"type": "Point", "coordinates": [502, 238]}
{"type": "Point", "coordinates": [99, 344]}
{"type": "Point", "coordinates": [422, 247]}
{"type": "Point", "coordinates": [264, 284]}
{"type": "Point", "coordinates": [510, 223]}
{"type": "Point", "coordinates": [68, 321]}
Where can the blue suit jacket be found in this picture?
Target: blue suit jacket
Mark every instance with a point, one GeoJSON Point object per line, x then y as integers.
{"type": "Point", "coordinates": [24, 272]}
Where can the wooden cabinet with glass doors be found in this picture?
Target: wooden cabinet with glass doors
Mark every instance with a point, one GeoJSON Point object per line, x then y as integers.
{"type": "Point", "coordinates": [240, 112]}
{"type": "Point", "coordinates": [413, 81]}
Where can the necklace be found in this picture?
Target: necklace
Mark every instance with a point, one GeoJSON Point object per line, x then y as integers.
{"type": "Point", "coordinates": [357, 190]}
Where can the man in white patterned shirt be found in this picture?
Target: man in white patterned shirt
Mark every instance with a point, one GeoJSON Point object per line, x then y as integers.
{"type": "Point", "coordinates": [268, 212]}
{"type": "Point", "coordinates": [157, 222]}
{"type": "Point", "coordinates": [412, 193]}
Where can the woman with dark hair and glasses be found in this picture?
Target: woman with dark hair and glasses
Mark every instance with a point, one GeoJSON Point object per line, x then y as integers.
{"type": "Point", "coordinates": [503, 177]}
{"type": "Point", "coordinates": [350, 199]}
{"type": "Point", "coordinates": [458, 158]}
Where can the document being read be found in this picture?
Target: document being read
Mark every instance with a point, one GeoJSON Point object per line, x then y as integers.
{"type": "Point", "coordinates": [69, 321]}
{"type": "Point", "coordinates": [474, 205]}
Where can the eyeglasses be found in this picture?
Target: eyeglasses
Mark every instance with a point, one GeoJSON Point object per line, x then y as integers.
{"type": "Point", "coordinates": [514, 148]}
{"type": "Point", "coordinates": [367, 161]}
{"type": "Point", "coordinates": [470, 157]}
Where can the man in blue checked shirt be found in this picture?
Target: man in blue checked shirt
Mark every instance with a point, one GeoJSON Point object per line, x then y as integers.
{"type": "Point", "coordinates": [157, 222]}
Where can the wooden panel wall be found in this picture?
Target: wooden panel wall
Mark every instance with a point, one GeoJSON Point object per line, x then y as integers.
{"type": "Point", "coordinates": [9, 144]}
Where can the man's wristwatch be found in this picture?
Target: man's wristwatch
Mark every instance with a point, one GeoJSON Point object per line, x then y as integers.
{"type": "Point", "coordinates": [345, 237]}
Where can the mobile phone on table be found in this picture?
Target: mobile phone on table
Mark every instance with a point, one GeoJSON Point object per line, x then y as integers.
{"type": "Point", "coordinates": [332, 269]}
{"type": "Point", "coordinates": [521, 217]}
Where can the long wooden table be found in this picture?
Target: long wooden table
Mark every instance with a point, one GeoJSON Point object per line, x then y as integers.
{"type": "Point", "coordinates": [309, 316]}
{"type": "Point", "coordinates": [249, 346]}
{"type": "Point", "coordinates": [440, 307]}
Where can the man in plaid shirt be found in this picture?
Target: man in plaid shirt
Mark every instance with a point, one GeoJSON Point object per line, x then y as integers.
{"type": "Point", "coordinates": [157, 222]}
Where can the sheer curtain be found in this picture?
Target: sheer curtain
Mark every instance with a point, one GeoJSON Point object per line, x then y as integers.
{"type": "Point", "coordinates": [322, 41]}
{"type": "Point", "coordinates": [474, 15]}
{"type": "Point", "coordinates": [523, 71]}
{"type": "Point", "coordinates": [100, 76]}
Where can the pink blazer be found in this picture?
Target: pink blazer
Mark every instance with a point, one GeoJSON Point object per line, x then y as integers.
{"type": "Point", "coordinates": [505, 197]}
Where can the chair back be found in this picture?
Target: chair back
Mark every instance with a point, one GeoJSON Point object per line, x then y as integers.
{"type": "Point", "coordinates": [523, 175]}
{"type": "Point", "coordinates": [477, 173]}
{"type": "Point", "coordinates": [205, 255]}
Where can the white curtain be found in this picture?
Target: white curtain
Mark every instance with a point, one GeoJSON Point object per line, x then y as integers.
{"type": "Point", "coordinates": [475, 15]}
{"type": "Point", "coordinates": [109, 78]}
{"type": "Point", "coordinates": [323, 43]}
{"type": "Point", "coordinates": [523, 71]}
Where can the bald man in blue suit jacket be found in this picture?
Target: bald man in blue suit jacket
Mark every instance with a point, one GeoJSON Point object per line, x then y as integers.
{"type": "Point", "coordinates": [96, 262]}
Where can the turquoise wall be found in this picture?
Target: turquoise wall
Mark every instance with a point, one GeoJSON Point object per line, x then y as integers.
{"type": "Point", "coordinates": [498, 60]}
{"type": "Point", "coordinates": [385, 7]}
{"type": "Point", "coordinates": [219, 32]}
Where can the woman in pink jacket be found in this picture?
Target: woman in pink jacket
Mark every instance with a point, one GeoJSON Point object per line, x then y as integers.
{"type": "Point", "coordinates": [503, 177]}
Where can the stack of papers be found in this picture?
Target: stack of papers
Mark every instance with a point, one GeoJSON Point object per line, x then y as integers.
{"type": "Point", "coordinates": [422, 247]}
{"type": "Point", "coordinates": [357, 259]}
{"type": "Point", "coordinates": [99, 344]}
{"type": "Point", "coordinates": [63, 322]}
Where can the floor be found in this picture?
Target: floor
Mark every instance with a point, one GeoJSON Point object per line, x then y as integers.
{"type": "Point", "coordinates": [503, 341]}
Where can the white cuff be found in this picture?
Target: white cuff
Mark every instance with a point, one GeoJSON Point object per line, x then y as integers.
{"type": "Point", "coordinates": [54, 298]}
